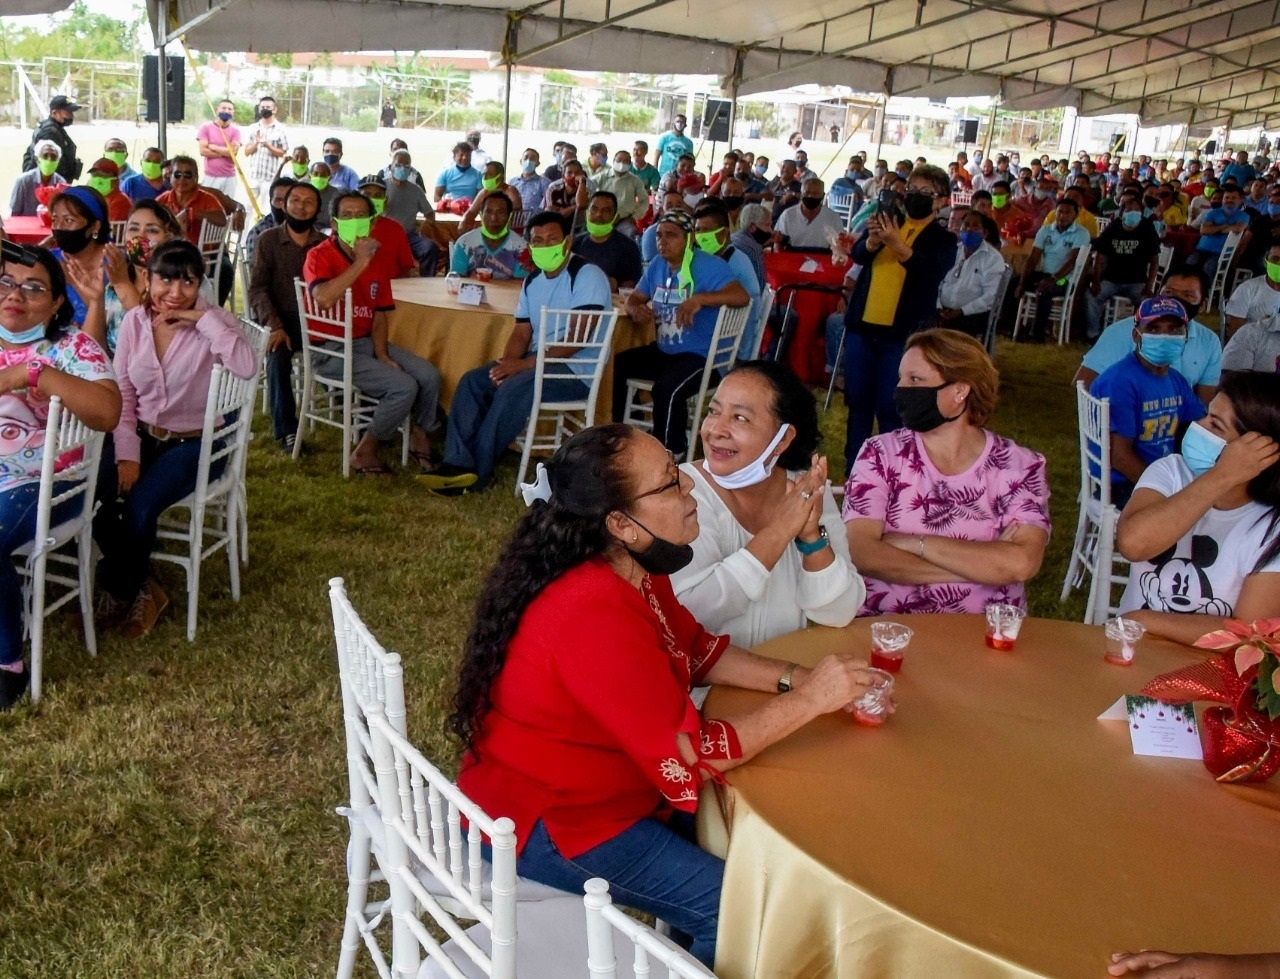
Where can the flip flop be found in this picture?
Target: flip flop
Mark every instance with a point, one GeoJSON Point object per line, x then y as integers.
{"type": "Point", "coordinates": [376, 470]}
{"type": "Point", "coordinates": [424, 460]}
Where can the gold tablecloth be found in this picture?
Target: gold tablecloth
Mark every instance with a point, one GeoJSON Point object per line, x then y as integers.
{"type": "Point", "coordinates": [444, 230]}
{"type": "Point", "coordinates": [1016, 253]}
{"type": "Point", "coordinates": [992, 828]}
{"type": "Point", "coordinates": [431, 323]}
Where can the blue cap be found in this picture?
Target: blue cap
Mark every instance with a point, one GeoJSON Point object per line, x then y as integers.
{"type": "Point", "coordinates": [1160, 307]}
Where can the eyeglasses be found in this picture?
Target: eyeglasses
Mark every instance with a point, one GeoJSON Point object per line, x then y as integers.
{"type": "Point", "coordinates": [673, 484]}
{"type": "Point", "coordinates": [184, 175]}
{"type": "Point", "coordinates": [27, 290]}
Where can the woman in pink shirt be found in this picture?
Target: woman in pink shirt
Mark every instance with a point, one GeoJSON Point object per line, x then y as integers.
{"type": "Point", "coordinates": [943, 515]}
{"type": "Point", "coordinates": [165, 354]}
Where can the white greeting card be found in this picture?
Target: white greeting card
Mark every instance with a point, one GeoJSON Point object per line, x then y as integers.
{"type": "Point", "coordinates": [1157, 728]}
{"type": "Point", "coordinates": [472, 294]}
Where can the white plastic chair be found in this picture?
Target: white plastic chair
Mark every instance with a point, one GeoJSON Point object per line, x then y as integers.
{"type": "Point", "coordinates": [768, 296]}
{"type": "Point", "coordinates": [335, 402]}
{"type": "Point", "coordinates": [603, 919]}
{"type": "Point", "coordinates": [730, 324]}
{"type": "Point", "coordinates": [214, 510]}
{"type": "Point", "coordinates": [842, 204]}
{"type": "Point", "coordinates": [1162, 267]}
{"type": "Point", "coordinates": [117, 232]}
{"type": "Point", "coordinates": [993, 318]}
{"type": "Point", "coordinates": [1063, 306]}
{"type": "Point", "coordinates": [1219, 284]}
{"type": "Point", "coordinates": [1092, 553]}
{"type": "Point", "coordinates": [422, 816]}
{"type": "Point", "coordinates": [588, 334]}
{"type": "Point", "coordinates": [961, 198]}
{"type": "Point", "coordinates": [68, 441]}
{"type": "Point", "coordinates": [1116, 308]}
{"type": "Point", "coordinates": [213, 246]}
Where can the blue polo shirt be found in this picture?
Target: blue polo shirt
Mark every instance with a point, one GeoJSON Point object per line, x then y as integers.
{"type": "Point", "coordinates": [1200, 363]}
{"type": "Point", "coordinates": [662, 286]}
{"type": "Point", "coordinates": [579, 285]}
{"type": "Point", "coordinates": [460, 183]}
{"type": "Point", "coordinates": [1147, 409]}
{"type": "Point", "coordinates": [1056, 245]}
{"type": "Point", "coordinates": [137, 188]}
{"type": "Point", "coordinates": [1218, 215]}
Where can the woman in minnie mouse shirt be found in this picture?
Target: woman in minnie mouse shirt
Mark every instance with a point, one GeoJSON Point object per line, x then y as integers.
{"type": "Point", "coordinates": [39, 358]}
{"type": "Point", "coordinates": [1203, 527]}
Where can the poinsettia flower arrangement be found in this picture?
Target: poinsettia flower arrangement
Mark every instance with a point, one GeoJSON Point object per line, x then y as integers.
{"type": "Point", "coordinates": [45, 193]}
{"type": "Point", "coordinates": [525, 260]}
{"type": "Point", "coordinates": [1254, 648]}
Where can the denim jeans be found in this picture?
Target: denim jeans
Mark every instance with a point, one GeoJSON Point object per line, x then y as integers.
{"type": "Point", "coordinates": [1044, 303]}
{"type": "Point", "coordinates": [1094, 305]}
{"type": "Point", "coordinates": [653, 867]}
{"type": "Point", "coordinates": [125, 528]}
{"type": "Point", "coordinates": [870, 377]}
{"type": "Point", "coordinates": [284, 409]}
{"type": "Point", "coordinates": [426, 252]}
{"type": "Point", "coordinates": [485, 418]}
{"type": "Point", "coordinates": [17, 527]}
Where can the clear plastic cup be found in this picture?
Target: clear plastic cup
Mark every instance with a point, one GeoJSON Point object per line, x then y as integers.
{"type": "Point", "coordinates": [1122, 635]}
{"type": "Point", "coordinates": [1004, 622]}
{"type": "Point", "coordinates": [484, 274]}
{"type": "Point", "coordinates": [452, 283]}
{"type": "Point", "coordinates": [888, 642]}
{"type": "Point", "coordinates": [872, 708]}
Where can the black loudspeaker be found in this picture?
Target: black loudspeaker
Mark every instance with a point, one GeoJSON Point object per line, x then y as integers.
{"type": "Point", "coordinates": [1117, 143]}
{"type": "Point", "coordinates": [967, 132]}
{"type": "Point", "coordinates": [175, 83]}
{"type": "Point", "coordinates": [715, 120]}
{"type": "Point", "coordinates": [1210, 147]}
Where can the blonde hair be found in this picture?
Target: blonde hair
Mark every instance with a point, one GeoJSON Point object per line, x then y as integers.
{"type": "Point", "coordinates": [959, 358]}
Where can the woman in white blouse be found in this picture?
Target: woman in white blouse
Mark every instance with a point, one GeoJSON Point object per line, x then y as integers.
{"type": "Point", "coordinates": [969, 289]}
{"type": "Point", "coordinates": [771, 552]}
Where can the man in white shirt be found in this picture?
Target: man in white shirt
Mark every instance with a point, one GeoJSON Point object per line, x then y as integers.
{"type": "Point", "coordinates": [986, 177]}
{"type": "Point", "coordinates": [633, 199]}
{"type": "Point", "coordinates": [809, 224]}
{"type": "Point", "coordinates": [266, 144]}
{"type": "Point", "coordinates": [969, 289]}
{"type": "Point", "coordinates": [1256, 298]}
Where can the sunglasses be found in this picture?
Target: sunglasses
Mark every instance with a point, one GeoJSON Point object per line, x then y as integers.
{"type": "Point", "coordinates": [184, 175]}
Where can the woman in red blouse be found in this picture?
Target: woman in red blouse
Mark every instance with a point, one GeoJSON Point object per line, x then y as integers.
{"type": "Point", "coordinates": [573, 699]}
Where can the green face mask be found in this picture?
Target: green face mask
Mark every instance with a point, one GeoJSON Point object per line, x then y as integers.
{"type": "Point", "coordinates": [320, 183]}
{"type": "Point", "coordinates": [708, 241]}
{"type": "Point", "coordinates": [1273, 271]}
{"type": "Point", "coordinates": [490, 183]}
{"type": "Point", "coordinates": [999, 200]}
{"type": "Point", "coordinates": [299, 169]}
{"type": "Point", "coordinates": [117, 157]}
{"type": "Point", "coordinates": [349, 229]}
{"type": "Point", "coordinates": [379, 205]}
{"type": "Point", "coordinates": [47, 166]}
{"type": "Point", "coordinates": [101, 184]}
{"type": "Point", "coordinates": [599, 230]}
{"type": "Point", "coordinates": [500, 235]}
{"type": "Point", "coordinates": [549, 257]}
{"type": "Point", "coordinates": [151, 170]}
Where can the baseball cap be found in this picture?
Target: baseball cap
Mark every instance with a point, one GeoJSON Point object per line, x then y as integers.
{"type": "Point", "coordinates": [374, 180]}
{"type": "Point", "coordinates": [63, 102]}
{"type": "Point", "coordinates": [1160, 307]}
{"type": "Point", "coordinates": [105, 167]}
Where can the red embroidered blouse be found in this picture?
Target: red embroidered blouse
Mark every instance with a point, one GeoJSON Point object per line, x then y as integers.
{"type": "Point", "coordinates": [582, 733]}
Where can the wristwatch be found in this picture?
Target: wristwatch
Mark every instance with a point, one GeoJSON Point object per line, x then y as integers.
{"type": "Point", "coordinates": [806, 547]}
{"type": "Point", "coordinates": [784, 681]}
{"type": "Point", "coordinates": [34, 369]}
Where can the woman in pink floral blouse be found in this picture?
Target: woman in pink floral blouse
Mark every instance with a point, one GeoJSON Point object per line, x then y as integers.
{"type": "Point", "coordinates": [943, 515]}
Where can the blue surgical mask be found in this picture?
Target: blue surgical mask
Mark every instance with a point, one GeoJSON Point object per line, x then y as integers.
{"type": "Point", "coordinates": [1201, 448]}
{"type": "Point", "coordinates": [1131, 219]}
{"type": "Point", "coordinates": [851, 174]}
{"type": "Point", "coordinates": [1273, 210]}
{"type": "Point", "coordinates": [1161, 350]}
{"type": "Point", "coordinates": [331, 159]}
{"type": "Point", "coordinates": [760, 169]}
{"type": "Point", "coordinates": [400, 173]}
{"type": "Point", "coordinates": [528, 166]}
{"type": "Point", "coordinates": [26, 336]}
{"type": "Point", "coordinates": [970, 239]}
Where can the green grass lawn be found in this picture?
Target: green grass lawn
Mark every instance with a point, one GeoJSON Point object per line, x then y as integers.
{"type": "Point", "coordinates": [167, 808]}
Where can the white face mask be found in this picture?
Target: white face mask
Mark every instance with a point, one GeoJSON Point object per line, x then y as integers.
{"type": "Point", "coordinates": [620, 167]}
{"type": "Point", "coordinates": [756, 472]}
{"type": "Point", "coordinates": [693, 200]}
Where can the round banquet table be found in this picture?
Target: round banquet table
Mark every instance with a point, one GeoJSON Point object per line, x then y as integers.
{"type": "Point", "coordinates": [443, 228]}
{"type": "Point", "coordinates": [432, 323]}
{"type": "Point", "coordinates": [992, 828]}
{"type": "Point", "coordinates": [1015, 252]}
{"type": "Point", "coordinates": [806, 345]}
{"type": "Point", "coordinates": [26, 230]}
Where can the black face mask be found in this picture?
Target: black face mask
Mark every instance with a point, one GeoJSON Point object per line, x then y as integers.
{"type": "Point", "coordinates": [762, 236]}
{"type": "Point", "coordinates": [918, 408]}
{"type": "Point", "coordinates": [733, 203]}
{"type": "Point", "coordinates": [917, 205]}
{"type": "Point", "coordinates": [277, 215]}
{"type": "Point", "coordinates": [662, 556]}
{"type": "Point", "coordinates": [72, 240]}
{"type": "Point", "coordinates": [299, 225]}
{"type": "Point", "coordinates": [1191, 308]}
{"type": "Point", "coordinates": [812, 203]}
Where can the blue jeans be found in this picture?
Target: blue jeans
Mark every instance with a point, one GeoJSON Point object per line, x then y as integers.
{"type": "Point", "coordinates": [834, 329]}
{"type": "Point", "coordinates": [17, 527]}
{"type": "Point", "coordinates": [284, 409]}
{"type": "Point", "coordinates": [652, 867]}
{"type": "Point", "coordinates": [125, 528]}
{"type": "Point", "coordinates": [485, 418]}
{"type": "Point", "coordinates": [870, 377]}
{"type": "Point", "coordinates": [426, 252]}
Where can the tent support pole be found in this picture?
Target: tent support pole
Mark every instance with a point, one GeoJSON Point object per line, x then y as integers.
{"type": "Point", "coordinates": [884, 111]}
{"type": "Point", "coordinates": [506, 117]}
{"type": "Point", "coordinates": [510, 46]}
{"type": "Point", "coordinates": [162, 83]}
{"type": "Point", "coordinates": [991, 131]}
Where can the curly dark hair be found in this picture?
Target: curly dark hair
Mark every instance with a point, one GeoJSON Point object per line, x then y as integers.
{"type": "Point", "coordinates": [793, 404]}
{"type": "Point", "coordinates": [1255, 398]}
{"type": "Point", "coordinates": [588, 482]}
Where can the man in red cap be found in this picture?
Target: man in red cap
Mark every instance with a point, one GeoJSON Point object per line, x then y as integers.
{"type": "Point", "coordinates": [104, 177]}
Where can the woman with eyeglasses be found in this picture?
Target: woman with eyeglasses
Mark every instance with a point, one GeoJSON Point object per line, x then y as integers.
{"type": "Point", "coordinates": [40, 357]}
{"type": "Point", "coordinates": [573, 698]}
{"type": "Point", "coordinates": [164, 358]}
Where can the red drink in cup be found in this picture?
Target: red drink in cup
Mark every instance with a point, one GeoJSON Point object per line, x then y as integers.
{"type": "Point", "coordinates": [872, 708]}
{"type": "Point", "coordinates": [1003, 624]}
{"type": "Point", "coordinates": [888, 642]}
